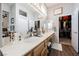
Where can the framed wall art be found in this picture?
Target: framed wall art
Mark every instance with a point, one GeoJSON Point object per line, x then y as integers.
{"type": "Point", "coordinates": [58, 11]}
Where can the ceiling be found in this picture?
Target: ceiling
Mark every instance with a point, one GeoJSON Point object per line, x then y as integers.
{"type": "Point", "coordinates": [49, 5]}
{"type": "Point", "coordinates": [10, 4]}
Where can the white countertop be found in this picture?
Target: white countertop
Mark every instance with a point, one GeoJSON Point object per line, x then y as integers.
{"type": "Point", "coordinates": [22, 47]}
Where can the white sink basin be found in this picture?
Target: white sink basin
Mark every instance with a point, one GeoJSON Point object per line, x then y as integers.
{"type": "Point", "coordinates": [32, 39]}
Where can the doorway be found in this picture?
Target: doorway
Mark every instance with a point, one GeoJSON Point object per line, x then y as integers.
{"type": "Point", "coordinates": [65, 29]}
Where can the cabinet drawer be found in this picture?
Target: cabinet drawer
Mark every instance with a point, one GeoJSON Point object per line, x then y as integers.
{"type": "Point", "coordinates": [44, 52]}
{"type": "Point", "coordinates": [38, 49]}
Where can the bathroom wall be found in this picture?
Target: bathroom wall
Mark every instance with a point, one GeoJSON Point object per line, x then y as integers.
{"type": "Point", "coordinates": [12, 15]}
{"type": "Point", "coordinates": [75, 32]}
{"type": "Point", "coordinates": [22, 22]}
{"type": "Point", "coordinates": [67, 10]}
{"type": "Point", "coordinates": [6, 7]}
{"type": "Point", "coordinates": [0, 28]}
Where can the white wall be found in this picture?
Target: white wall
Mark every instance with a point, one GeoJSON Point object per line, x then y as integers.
{"type": "Point", "coordinates": [5, 7]}
{"type": "Point", "coordinates": [75, 27]}
{"type": "Point", "coordinates": [12, 15]}
{"type": "Point", "coordinates": [21, 24]}
{"type": "Point", "coordinates": [0, 27]}
{"type": "Point", "coordinates": [32, 15]}
{"type": "Point", "coordinates": [67, 10]}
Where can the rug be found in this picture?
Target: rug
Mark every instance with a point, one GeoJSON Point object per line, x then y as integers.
{"type": "Point", "coordinates": [57, 46]}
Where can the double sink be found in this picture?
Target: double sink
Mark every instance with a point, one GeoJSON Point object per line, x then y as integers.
{"type": "Point", "coordinates": [20, 46]}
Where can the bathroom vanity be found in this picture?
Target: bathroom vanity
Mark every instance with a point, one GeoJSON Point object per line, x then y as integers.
{"type": "Point", "coordinates": [33, 46]}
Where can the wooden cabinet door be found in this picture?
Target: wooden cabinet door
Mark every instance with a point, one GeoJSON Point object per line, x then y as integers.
{"type": "Point", "coordinates": [44, 52]}
{"type": "Point", "coordinates": [38, 49]}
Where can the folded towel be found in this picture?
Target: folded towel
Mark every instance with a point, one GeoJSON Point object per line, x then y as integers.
{"type": "Point", "coordinates": [49, 43]}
